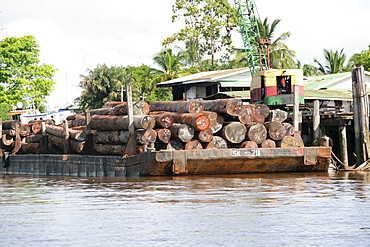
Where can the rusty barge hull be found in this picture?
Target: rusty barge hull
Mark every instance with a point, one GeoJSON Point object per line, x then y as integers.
{"type": "Point", "coordinates": [160, 163]}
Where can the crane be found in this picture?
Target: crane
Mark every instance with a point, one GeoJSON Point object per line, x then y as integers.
{"type": "Point", "coordinates": [272, 87]}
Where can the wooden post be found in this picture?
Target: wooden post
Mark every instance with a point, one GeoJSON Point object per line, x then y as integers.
{"type": "Point", "coordinates": [343, 145]}
{"type": "Point", "coordinates": [65, 137]}
{"type": "Point", "coordinates": [316, 121]}
{"type": "Point", "coordinates": [132, 143]}
{"type": "Point", "coordinates": [1, 133]}
{"type": "Point", "coordinates": [361, 115]}
{"type": "Point", "coordinates": [296, 108]}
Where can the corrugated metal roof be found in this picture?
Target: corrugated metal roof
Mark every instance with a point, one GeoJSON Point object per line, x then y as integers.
{"type": "Point", "coordinates": [328, 94]}
{"type": "Point", "coordinates": [320, 81]}
{"type": "Point", "coordinates": [203, 77]}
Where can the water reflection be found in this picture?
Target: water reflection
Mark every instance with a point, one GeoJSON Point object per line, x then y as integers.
{"type": "Point", "coordinates": [232, 210]}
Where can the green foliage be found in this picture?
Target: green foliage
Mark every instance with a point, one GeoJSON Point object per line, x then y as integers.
{"type": "Point", "coordinates": [204, 20]}
{"type": "Point", "coordinates": [103, 84]}
{"type": "Point", "coordinates": [170, 63]}
{"type": "Point", "coordinates": [334, 62]}
{"type": "Point", "coordinates": [24, 78]}
{"type": "Point", "coordinates": [4, 109]}
{"type": "Point", "coordinates": [362, 58]}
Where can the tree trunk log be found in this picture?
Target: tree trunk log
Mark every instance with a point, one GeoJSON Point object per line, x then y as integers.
{"type": "Point", "coordinates": [163, 135]}
{"type": "Point", "coordinates": [113, 137]}
{"type": "Point", "coordinates": [278, 115]}
{"type": "Point", "coordinates": [175, 145]}
{"type": "Point", "coordinates": [10, 124]}
{"type": "Point", "coordinates": [193, 144]}
{"type": "Point", "coordinates": [57, 141]}
{"type": "Point", "coordinates": [249, 144]}
{"type": "Point", "coordinates": [121, 122]}
{"type": "Point", "coordinates": [146, 136]}
{"type": "Point", "coordinates": [289, 129]}
{"type": "Point", "coordinates": [76, 146]}
{"type": "Point", "coordinates": [33, 138]}
{"type": "Point", "coordinates": [246, 116]}
{"type": "Point", "coordinates": [257, 132]}
{"type": "Point", "coordinates": [100, 111]}
{"type": "Point", "coordinates": [6, 140]}
{"type": "Point", "coordinates": [109, 149]}
{"type": "Point", "coordinates": [231, 107]}
{"type": "Point", "coordinates": [276, 130]}
{"type": "Point", "coordinates": [29, 148]}
{"type": "Point", "coordinates": [140, 107]}
{"type": "Point", "coordinates": [234, 132]}
{"type": "Point", "coordinates": [46, 121]}
{"type": "Point", "coordinates": [268, 143]}
{"type": "Point", "coordinates": [9, 132]}
{"type": "Point", "coordinates": [287, 141]}
{"type": "Point", "coordinates": [111, 104]}
{"type": "Point", "coordinates": [77, 135]}
{"type": "Point", "coordinates": [216, 121]}
{"type": "Point", "coordinates": [177, 106]}
{"type": "Point", "coordinates": [163, 119]}
{"type": "Point", "coordinates": [217, 143]}
{"type": "Point", "coordinates": [204, 135]}
{"type": "Point", "coordinates": [183, 132]}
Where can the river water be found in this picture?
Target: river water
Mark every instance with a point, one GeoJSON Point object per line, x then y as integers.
{"type": "Point", "coordinates": [299, 209]}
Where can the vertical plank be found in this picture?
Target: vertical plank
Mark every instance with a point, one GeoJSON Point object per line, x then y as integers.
{"type": "Point", "coordinates": [343, 145]}
{"type": "Point", "coordinates": [66, 137]}
{"type": "Point", "coordinates": [316, 120]}
{"type": "Point", "coordinates": [296, 108]}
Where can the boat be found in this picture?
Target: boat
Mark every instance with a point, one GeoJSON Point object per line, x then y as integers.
{"type": "Point", "coordinates": [171, 162]}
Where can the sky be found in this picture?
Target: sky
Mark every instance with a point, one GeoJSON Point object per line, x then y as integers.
{"type": "Point", "coordinates": [76, 35]}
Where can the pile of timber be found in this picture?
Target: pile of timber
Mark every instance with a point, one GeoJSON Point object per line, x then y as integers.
{"type": "Point", "coordinates": [161, 125]}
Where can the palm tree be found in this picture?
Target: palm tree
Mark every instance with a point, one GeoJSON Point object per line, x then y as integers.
{"type": "Point", "coordinates": [169, 63]}
{"type": "Point", "coordinates": [281, 56]}
{"type": "Point", "coordinates": [102, 84]}
{"type": "Point", "coordinates": [335, 62]}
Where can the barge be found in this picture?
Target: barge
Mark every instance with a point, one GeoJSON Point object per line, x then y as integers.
{"type": "Point", "coordinates": [171, 162]}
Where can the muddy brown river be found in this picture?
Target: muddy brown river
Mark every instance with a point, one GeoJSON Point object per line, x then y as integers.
{"type": "Point", "coordinates": [285, 209]}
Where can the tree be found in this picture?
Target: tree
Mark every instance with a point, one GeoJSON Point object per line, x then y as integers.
{"type": "Point", "coordinates": [334, 62]}
{"type": "Point", "coordinates": [103, 84]}
{"type": "Point", "coordinates": [281, 56]}
{"type": "Point", "coordinates": [204, 20]}
{"type": "Point", "coordinates": [362, 58]}
{"type": "Point", "coordinates": [24, 78]}
{"type": "Point", "coordinates": [169, 63]}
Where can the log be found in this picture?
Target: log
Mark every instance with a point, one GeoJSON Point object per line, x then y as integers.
{"type": "Point", "coordinates": [288, 128]}
{"type": "Point", "coordinates": [29, 148]}
{"type": "Point", "coordinates": [34, 138]}
{"type": "Point", "coordinates": [256, 132]}
{"type": "Point", "coordinates": [199, 121]}
{"type": "Point", "coordinates": [46, 121]}
{"type": "Point", "coordinates": [146, 136]}
{"type": "Point", "coordinates": [268, 143]}
{"type": "Point", "coordinates": [109, 122]}
{"type": "Point", "coordinates": [100, 111]}
{"type": "Point", "coordinates": [57, 141]}
{"type": "Point", "coordinates": [25, 129]}
{"type": "Point", "coordinates": [6, 140]}
{"type": "Point", "coordinates": [175, 145]}
{"type": "Point", "coordinates": [193, 145]}
{"type": "Point", "coordinates": [217, 142]}
{"type": "Point", "coordinates": [249, 144]}
{"type": "Point", "coordinates": [278, 115]}
{"type": "Point", "coordinates": [216, 121]}
{"type": "Point", "coordinates": [76, 146]}
{"type": "Point", "coordinates": [225, 107]}
{"type": "Point", "coordinates": [9, 132]}
{"type": "Point", "coordinates": [246, 116]}
{"type": "Point", "coordinates": [163, 135]}
{"type": "Point", "coordinates": [204, 135]}
{"type": "Point", "coordinates": [177, 106]}
{"type": "Point", "coordinates": [109, 149]}
{"type": "Point", "coordinates": [163, 120]}
{"type": "Point", "coordinates": [234, 132]}
{"type": "Point", "coordinates": [276, 130]}
{"type": "Point", "coordinates": [140, 107]}
{"type": "Point", "coordinates": [183, 132]}
{"type": "Point", "coordinates": [79, 122]}
{"type": "Point", "coordinates": [111, 104]}
{"type": "Point", "coordinates": [111, 137]}
{"type": "Point", "coordinates": [77, 135]}
{"type": "Point", "coordinates": [260, 112]}
{"type": "Point", "coordinates": [80, 128]}
{"type": "Point", "coordinates": [10, 124]}
{"type": "Point", "coordinates": [287, 141]}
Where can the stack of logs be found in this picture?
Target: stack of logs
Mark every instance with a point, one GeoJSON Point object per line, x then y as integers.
{"type": "Point", "coordinates": [161, 125]}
